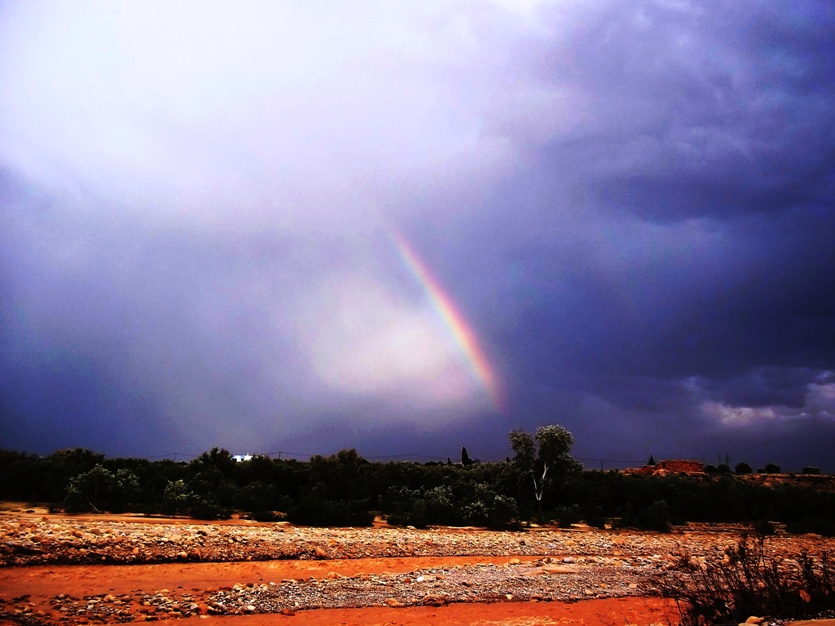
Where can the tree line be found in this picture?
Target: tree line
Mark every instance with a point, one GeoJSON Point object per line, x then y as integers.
{"type": "Point", "coordinates": [540, 482]}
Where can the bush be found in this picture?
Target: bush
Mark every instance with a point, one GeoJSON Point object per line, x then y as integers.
{"type": "Point", "coordinates": [595, 517]}
{"type": "Point", "coordinates": [208, 508]}
{"type": "Point", "coordinates": [266, 516]}
{"type": "Point", "coordinates": [811, 469]}
{"type": "Point", "coordinates": [742, 468]}
{"type": "Point", "coordinates": [655, 517]}
{"type": "Point", "coordinates": [313, 512]}
{"type": "Point", "coordinates": [476, 513]}
{"type": "Point", "coordinates": [812, 524]}
{"type": "Point", "coordinates": [748, 582]}
{"type": "Point", "coordinates": [90, 491]}
{"type": "Point", "coordinates": [772, 468]}
{"type": "Point", "coordinates": [503, 513]}
{"type": "Point", "coordinates": [100, 489]}
{"type": "Point", "coordinates": [763, 528]}
{"type": "Point", "coordinates": [568, 515]}
{"type": "Point", "coordinates": [177, 498]}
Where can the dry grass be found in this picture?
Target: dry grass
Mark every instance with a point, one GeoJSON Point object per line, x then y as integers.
{"type": "Point", "coordinates": [747, 581]}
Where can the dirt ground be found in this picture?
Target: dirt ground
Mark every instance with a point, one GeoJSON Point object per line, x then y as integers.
{"type": "Point", "coordinates": [69, 570]}
{"type": "Point", "coordinates": [37, 586]}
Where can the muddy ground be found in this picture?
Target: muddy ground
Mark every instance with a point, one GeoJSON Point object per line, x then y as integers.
{"type": "Point", "coordinates": [121, 569]}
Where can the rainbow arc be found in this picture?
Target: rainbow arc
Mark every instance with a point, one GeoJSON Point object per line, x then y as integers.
{"type": "Point", "coordinates": [454, 321]}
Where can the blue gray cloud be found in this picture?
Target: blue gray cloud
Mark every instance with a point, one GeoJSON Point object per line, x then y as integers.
{"type": "Point", "coordinates": [631, 206]}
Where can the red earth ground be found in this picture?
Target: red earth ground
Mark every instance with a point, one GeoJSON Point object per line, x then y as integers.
{"type": "Point", "coordinates": [37, 586]}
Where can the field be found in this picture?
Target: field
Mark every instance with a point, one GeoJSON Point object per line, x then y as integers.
{"type": "Point", "coordinates": [116, 569]}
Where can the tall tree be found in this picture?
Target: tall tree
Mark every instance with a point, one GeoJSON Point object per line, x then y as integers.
{"type": "Point", "coordinates": [465, 457]}
{"type": "Point", "coordinates": [544, 456]}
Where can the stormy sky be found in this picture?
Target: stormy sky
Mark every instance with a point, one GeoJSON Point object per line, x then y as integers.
{"type": "Point", "coordinates": [405, 227]}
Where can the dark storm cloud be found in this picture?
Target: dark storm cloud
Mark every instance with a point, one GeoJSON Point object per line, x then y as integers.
{"type": "Point", "coordinates": [698, 111]}
{"type": "Point", "coordinates": [632, 206]}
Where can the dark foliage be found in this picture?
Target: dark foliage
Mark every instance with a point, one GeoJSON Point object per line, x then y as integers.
{"type": "Point", "coordinates": [344, 488]}
{"type": "Point", "coordinates": [742, 468]}
{"type": "Point", "coordinates": [749, 582]}
{"type": "Point", "coordinates": [313, 512]}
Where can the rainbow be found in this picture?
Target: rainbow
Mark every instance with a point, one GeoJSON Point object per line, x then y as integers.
{"type": "Point", "coordinates": [452, 318]}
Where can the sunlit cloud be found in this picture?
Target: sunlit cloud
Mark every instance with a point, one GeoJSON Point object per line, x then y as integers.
{"type": "Point", "coordinates": [366, 340]}
{"type": "Point", "coordinates": [819, 404]}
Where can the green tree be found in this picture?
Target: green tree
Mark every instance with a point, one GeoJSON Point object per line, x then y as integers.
{"type": "Point", "coordinates": [99, 489]}
{"type": "Point", "coordinates": [651, 460]}
{"type": "Point", "coordinates": [544, 456]}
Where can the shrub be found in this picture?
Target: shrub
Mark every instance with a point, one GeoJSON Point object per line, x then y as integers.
{"type": "Point", "coordinates": [100, 489]}
{"type": "Point", "coordinates": [763, 528]}
{"type": "Point", "coordinates": [90, 491]}
{"type": "Point", "coordinates": [503, 513]}
{"type": "Point", "coordinates": [811, 469]}
{"type": "Point", "coordinates": [476, 513]}
{"type": "Point", "coordinates": [177, 498]}
{"type": "Point", "coordinates": [748, 582]}
{"type": "Point", "coordinates": [742, 468]}
{"type": "Point", "coordinates": [812, 524]}
{"type": "Point", "coordinates": [568, 515]}
{"type": "Point", "coordinates": [595, 517]}
{"type": "Point", "coordinates": [772, 468]}
{"type": "Point", "coordinates": [208, 508]}
{"type": "Point", "coordinates": [313, 512]}
{"type": "Point", "coordinates": [266, 516]}
{"type": "Point", "coordinates": [655, 517]}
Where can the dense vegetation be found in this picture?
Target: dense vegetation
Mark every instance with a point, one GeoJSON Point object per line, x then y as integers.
{"type": "Point", "coordinates": [540, 482]}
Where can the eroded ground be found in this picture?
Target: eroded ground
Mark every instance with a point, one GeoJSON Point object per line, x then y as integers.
{"type": "Point", "coordinates": [77, 570]}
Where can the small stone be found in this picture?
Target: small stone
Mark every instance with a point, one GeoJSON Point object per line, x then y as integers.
{"type": "Point", "coordinates": [392, 602]}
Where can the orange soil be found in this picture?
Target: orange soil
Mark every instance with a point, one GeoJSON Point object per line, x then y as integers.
{"type": "Point", "coordinates": [42, 583]}
{"type": "Point", "coordinates": [39, 584]}
{"type": "Point", "coordinates": [608, 612]}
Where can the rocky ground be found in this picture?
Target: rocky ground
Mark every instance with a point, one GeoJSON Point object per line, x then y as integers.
{"type": "Point", "coordinates": [59, 570]}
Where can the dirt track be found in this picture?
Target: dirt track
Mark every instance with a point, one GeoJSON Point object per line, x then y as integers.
{"type": "Point", "coordinates": [113, 570]}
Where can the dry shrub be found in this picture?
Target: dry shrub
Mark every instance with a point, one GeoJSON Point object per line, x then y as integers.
{"type": "Point", "coordinates": [749, 582]}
